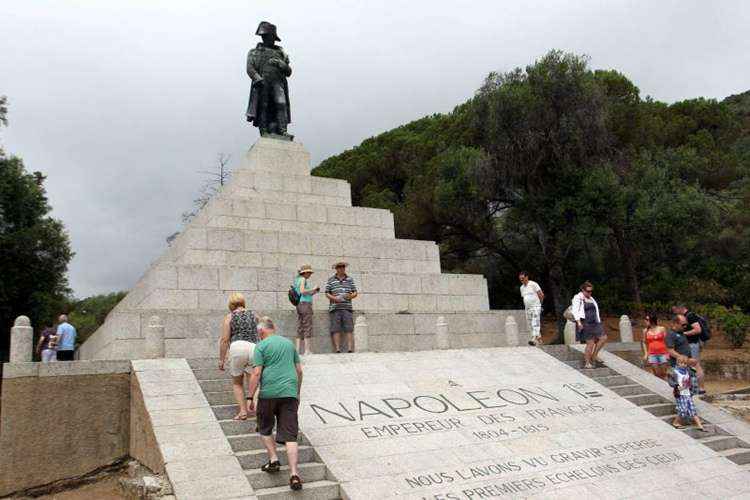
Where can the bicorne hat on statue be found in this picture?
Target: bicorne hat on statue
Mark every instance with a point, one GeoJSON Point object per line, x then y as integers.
{"type": "Point", "coordinates": [266, 28]}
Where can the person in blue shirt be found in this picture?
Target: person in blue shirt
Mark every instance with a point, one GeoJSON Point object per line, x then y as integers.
{"type": "Point", "coordinates": [66, 345]}
{"type": "Point", "coordinates": [304, 309]}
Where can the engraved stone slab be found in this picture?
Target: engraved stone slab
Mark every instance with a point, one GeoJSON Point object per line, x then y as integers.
{"type": "Point", "coordinates": [494, 423]}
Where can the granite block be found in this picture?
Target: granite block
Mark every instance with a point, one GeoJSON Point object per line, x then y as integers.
{"type": "Point", "coordinates": [198, 278]}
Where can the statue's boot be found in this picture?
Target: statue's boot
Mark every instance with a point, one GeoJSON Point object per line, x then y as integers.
{"type": "Point", "coordinates": [281, 115]}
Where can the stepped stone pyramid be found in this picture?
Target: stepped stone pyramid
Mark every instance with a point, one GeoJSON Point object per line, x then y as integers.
{"type": "Point", "coordinates": [272, 217]}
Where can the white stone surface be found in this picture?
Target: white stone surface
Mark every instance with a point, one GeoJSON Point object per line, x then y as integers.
{"type": "Point", "coordinates": [570, 332]}
{"type": "Point", "coordinates": [487, 423]}
{"type": "Point", "coordinates": [626, 329]}
{"type": "Point", "coordinates": [155, 338]}
{"type": "Point", "coordinates": [271, 218]}
{"type": "Point", "coordinates": [442, 338]}
{"type": "Point", "coordinates": [21, 340]}
{"type": "Point", "coordinates": [715, 415]}
{"type": "Point", "coordinates": [511, 331]}
{"type": "Point", "coordinates": [197, 456]}
{"type": "Point", "coordinates": [361, 340]}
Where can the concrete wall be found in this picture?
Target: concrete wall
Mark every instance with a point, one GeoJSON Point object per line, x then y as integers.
{"type": "Point", "coordinates": [62, 420]}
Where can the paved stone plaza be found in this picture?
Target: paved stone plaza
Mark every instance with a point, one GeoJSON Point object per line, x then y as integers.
{"type": "Point", "coordinates": [493, 423]}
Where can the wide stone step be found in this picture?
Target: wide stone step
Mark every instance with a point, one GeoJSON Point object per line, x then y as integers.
{"type": "Point", "coordinates": [252, 441]}
{"type": "Point", "coordinates": [309, 472]}
{"type": "Point", "coordinates": [720, 443]}
{"type": "Point", "coordinates": [216, 385]}
{"type": "Point", "coordinates": [645, 399]}
{"type": "Point", "coordinates": [598, 372]}
{"type": "Point", "coordinates": [740, 456]}
{"type": "Point", "coordinates": [318, 490]}
{"type": "Point", "coordinates": [254, 459]}
{"type": "Point", "coordinates": [237, 427]}
{"type": "Point", "coordinates": [227, 412]}
{"type": "Point", "coordinates": [561, 352]}
{"type": "Point", "coordinates": [165, 300]}
{"type": "Point", "coordinates": [293, 176]}
{"type": "Point", "coordinates": [629, 390]}
{"type": "Point", "coordinates": [289, 189]}
{"type": "Point", "coordinates": [242, 193]}
{"type": "Point", "coordinates": [219, 398]}
{"type": "Point", "coordinates": [206, 363]}
{"type": "Point", "coordinates": [711, 430]}
{"type": "Point", "coordinates": [243, 277]}
{"type": "Point", "coordinates": [659, 409]}
{"type": "Point", "coordinates": [211, 374]}
{"type": "Point", "coordinates": [613, 380]}
{"type": "Point", "coordinates": [273, 216]}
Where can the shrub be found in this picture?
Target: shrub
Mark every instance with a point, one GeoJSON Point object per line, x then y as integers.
{"type": "Point", "coordinates": [735, 325]}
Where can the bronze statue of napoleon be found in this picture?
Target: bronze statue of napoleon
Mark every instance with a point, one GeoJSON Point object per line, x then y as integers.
{"type": "Point", "coordinates": [268, 68]}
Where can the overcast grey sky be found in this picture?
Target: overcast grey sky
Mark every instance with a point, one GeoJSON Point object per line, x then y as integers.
{"type": "Point", "coordinates": [121, 103]}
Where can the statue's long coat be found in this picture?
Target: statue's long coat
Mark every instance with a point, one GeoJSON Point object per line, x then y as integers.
{"type": "Point", "coordinates": [256, 59]}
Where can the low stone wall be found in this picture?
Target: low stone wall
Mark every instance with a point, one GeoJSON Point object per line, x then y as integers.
{"type": "Point", "coordinates": [195, 334]}
{"type": "Point", "coordinates": [62, 420]}
{"type": "Point", "coordinates": [727, 371]}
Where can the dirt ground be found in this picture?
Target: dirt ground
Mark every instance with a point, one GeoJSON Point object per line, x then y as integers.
{"type": "Point", "coordinates": [103, 489]}
{"type": "Point", "coordinates": [719, 386]}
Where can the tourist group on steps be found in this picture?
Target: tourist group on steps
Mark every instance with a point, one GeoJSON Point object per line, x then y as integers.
{"type": "Point", "coordinates": [673, 355]}
{"type": "Point", "coordinates": [267, 373]}
{"type": "Point", "coordinates": [250, 348]}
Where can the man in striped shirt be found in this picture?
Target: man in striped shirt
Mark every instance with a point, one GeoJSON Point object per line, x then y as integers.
{"type": "Point", "coordinates": [340, 290]}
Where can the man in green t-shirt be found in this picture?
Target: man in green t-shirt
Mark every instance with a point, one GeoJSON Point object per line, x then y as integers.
{"type": "Point", "coordinates": [278, 370]}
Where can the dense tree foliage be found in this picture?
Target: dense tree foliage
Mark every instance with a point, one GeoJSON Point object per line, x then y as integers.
{"type": "Point", "coordinates": [88, 314]}
{"type": "Point", "coordinates": [571, 174]}
{"type": "Point", "coordinates": [34, 248]}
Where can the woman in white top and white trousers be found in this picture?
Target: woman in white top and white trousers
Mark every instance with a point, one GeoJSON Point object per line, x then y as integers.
{"type": "Point", "coordinates": [589, 326]}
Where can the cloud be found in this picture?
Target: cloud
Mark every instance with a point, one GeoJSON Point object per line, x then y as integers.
{"type": "Point", "coordinates": [122, 103]}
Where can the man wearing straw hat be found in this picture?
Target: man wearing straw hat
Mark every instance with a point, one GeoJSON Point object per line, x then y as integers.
{"type": "Point", "coordinates": [304, 309]}
{"type": "Point", "coordinates": [340, 290]}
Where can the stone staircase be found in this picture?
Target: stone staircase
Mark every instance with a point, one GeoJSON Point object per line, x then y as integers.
{"type": "Point", "coordinates": [248, 448]}
{"type": "Point", "coordinates": [724, 443]}
{"type": "Point", "coordinates": [252, 236]}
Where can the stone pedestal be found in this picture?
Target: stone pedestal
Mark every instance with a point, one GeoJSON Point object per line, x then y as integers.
{"type": "Point", "coordinates": [155, 338]}
{"type": "Point", "coordinates": [361, 343]}
{"type": "Point", "coordinates": [511, 331]}
{"type": "Point", "coordinates": [21, 340]}
{"type": "Point", "coordinates": [626, 329]}
{"type": "Point", "coordinates": [570, 332]}
{"type": "Point", "coordinates": [442, 338]}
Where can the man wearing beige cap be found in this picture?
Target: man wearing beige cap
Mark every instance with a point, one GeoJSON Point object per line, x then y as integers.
{"type": "Point", "coordinates": [340, 290]}
{"type": "Point", "coordinates": [304, 309]}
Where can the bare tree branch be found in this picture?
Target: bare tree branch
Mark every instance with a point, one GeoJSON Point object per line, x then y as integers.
{"type": "Point", "coordinates": [216, 180]}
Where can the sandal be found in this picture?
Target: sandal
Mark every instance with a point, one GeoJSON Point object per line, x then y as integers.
{"type": "Point", "coordinates": [271, 467]}
{"type": "Point", "coordinates": [588, 367]}
{"type": "Point", "coordinates": [240, 416]}
{"type": "Point", "coordinates": [678, 426]}
{"type": "Point", "coordinates": [295, 483]}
